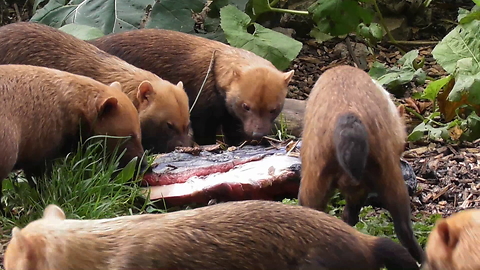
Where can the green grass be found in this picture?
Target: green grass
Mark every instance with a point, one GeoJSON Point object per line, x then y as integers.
{"type": "Point", "coordinates": [81, 185]}
{"type": "Point", "coordinates": [379, 224]}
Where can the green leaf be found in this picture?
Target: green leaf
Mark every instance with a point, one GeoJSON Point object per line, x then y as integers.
{"type": "Point", "coordinates": [174, 15]}
{"type": "Point", "coordinates": [339, 17]}
{"type": "Point", "coordinates": [433, 132]}
{"type": "Point", "coordinates": [271, 45]}
{"type": "Point", "coordinates": [398, 76]}
{"type": "Point", "coordinates": [433, 88]}
{"type": "Point", "coordinates": [216, 5]}
{"type": "Point", "coordinates": [466, 84]}
{"type": "Point", "coordinates": [36, 3]}
{"type": "Point", "coordinates": [378, 70]}
{"type": "Point", "coordinates": [82, 32]}
{"type": "Point", "coordinates": [110, 16]}
{"type": "Point", "coordinates": [470, 17]}
{"type": "Point", "coordinates": [472, 127]}
{"type": "Point", "coordinates": [127, 172]}
{"type": "Point", "coordinates": [260, 6]}
{"type": "Point", "coordinates": [376, 30]}
{"type": "Point", "coordinates": [460, 43]}
{"type": "Point", "coordinates": [319, 35]}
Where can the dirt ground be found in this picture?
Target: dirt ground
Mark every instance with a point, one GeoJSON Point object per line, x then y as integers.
{"type": "Point", "coordinates": [448, 175]}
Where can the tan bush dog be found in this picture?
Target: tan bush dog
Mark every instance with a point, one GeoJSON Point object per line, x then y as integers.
{"type": "Point", "coordinates": [260, 235]}
{"type": "Point", "coordinates": [44, 112]}
{"type": "Point", "coordinates": [163, 107]}
{"type": "Point", "coordinates": [244, 93]}
{"type": "Point", "coordinates": [353, 138]}
{"type": "Point", "coordinates": [454, 242]}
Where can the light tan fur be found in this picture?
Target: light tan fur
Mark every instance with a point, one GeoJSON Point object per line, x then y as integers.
{"type": "Point", "coordinates": [370, 149]}
{"type": "Point", "coordinates": [43, 113]}
{"type": "Point", "coordinates": [162, 106]}
{"type": "Point", "coordinates": [454, 242]}
{"type": "Point", "coordinates": [239, 80]}
{"type": "Point", "coordinates": [229, 236]}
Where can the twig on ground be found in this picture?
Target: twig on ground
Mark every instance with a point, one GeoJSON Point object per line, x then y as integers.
{"type": "Point", "coordinates": [351, 52]}
{"type": "Point", "coordinates": [17, 11]}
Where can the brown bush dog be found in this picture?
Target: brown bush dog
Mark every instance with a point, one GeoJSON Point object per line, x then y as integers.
{"type": "Point", "coordinates": [454, 242]}
{"type": "Point", "coordinates": [44, 112]}
{"type": "Point", "coordinates": [243, 93]}
{"type": "Point", "coordinates": [163, 107]}
{"type": "Point", "coordinates": [353, 138]}
{"type": "Point", "coordinates": [241, 235]}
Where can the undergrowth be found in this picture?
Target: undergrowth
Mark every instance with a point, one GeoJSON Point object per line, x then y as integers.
{"type": "Point", "coordinates": [86, 184]}
{"type": "Point", "coordinates": [379, 223]}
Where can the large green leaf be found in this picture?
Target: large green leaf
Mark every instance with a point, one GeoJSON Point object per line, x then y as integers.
{"type": "Point", "coordinates": [273, 46]}
{"type": "Point", "coordinates": [339, 17]}
{"type": "Point", "coordinates": [397, 76]}
{"type": "Point", "coordinates": [174, 14]}
{"type": "Point", "coordinates": [461, 43]}
{"type": "Point", "coordinates": [110, 16]}
{"type": "Point", "coordinates": [82, 32]}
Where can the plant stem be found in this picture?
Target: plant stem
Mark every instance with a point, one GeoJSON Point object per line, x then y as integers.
{"type": "Point", "coordinates": [291, 11]}
{"type": "Point", "coordinates": [415, 113]}
{"type": "Point", "coordinates": [415, 42]}
{"type": "Point", "coordinates": [382, 22]}
{"type": "Point", "coordinates": [273, 3]}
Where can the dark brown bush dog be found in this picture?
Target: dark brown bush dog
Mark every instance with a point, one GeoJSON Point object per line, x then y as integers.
{"type": "Point", "coordinates": [244, 93]}
{"type": "Point", "coordinates": [163, 107]}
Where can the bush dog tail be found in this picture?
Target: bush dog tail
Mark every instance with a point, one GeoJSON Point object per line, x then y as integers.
{"type": "Point", "coordinates": [393, 256]}
{"type": "Point", "coordinates": [351, 144]}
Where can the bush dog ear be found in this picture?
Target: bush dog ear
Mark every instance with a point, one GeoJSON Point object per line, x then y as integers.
{"type": "Point", "coordinates": [116, 85]}
{"type": "Point", "coordinates": [180, 84]}
{"type": "Point", "coordinates": [287, 76]}
{"type": "Point", "coordinates": [53, 211]}
{"type": "Point", "coordinates": [448, 237]}
{"type": "Point", "coordinates": [145, 91]}
{"type": "Point", "coordinates": [104, 106]}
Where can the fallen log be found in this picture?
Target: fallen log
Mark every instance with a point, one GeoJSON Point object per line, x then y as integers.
{"type": "Point", "coordinates": [292, 116]}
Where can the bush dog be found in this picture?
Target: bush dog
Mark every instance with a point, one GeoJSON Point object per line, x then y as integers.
{"type": "Point", "coordinates": [241, 235]}
{"type": "Point", "coordinates": [353, 138]}
{"type": "Point", "coordinates": [163, 107]}
{"type": "Point", "coordinates": [243, 93]}
{"type": "Point", "coordinates": [454, 242]}
{"type": "Point", "coordinates": [44, 112]}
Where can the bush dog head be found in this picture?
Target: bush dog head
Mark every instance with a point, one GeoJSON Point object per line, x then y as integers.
{"type": "Point", "coordinates": [243, 93]}
{"type": "Point", "coordinates": [164, 116]}
{"type": "Point", "coordinates": [256, 96]}
{"type": "Point", "coordinates": [116, 116]}
{"type": "Point", "coordinates": [44, 113]}
{"type": "Point", "coordinates": [243, 235]}
{"type": "Point", "coordinates": [453, 243]}
{"type": "Point", "coordinates": [163, 106]}
{"type": "Point", "coordinates": [353, 139]}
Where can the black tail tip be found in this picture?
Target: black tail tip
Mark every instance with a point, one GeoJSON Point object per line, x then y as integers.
{"type": "Point", "coordinates": [392, 255]}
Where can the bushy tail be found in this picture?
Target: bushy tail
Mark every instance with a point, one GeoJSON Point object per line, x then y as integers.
{"type": "Point", "coordinates": [392, 255]}
{"type": "Point", "coordinates": [351, 144]}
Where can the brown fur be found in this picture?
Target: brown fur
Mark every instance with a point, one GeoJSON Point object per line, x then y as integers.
{"type": "Point", "coordinates": [244, 92]}
{"type": "Point", "coordinates": [259, 235]}
{"type": "Point", "coordinates": [163, 107]}
{"type": "Point", "coordinates": [353, 138]}
{"type": "Point", "coordinates": [43, 113]}
{"type": "Point", "coordinates": [454, 242]}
